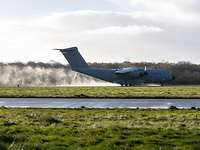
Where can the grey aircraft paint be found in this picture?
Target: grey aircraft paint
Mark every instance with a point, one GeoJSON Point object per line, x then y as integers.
{"type": "Point", "coordinates": [123, 76]}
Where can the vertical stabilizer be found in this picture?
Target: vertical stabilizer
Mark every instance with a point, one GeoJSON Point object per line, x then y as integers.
{"type": "Point", "coordinates": [74, 58]}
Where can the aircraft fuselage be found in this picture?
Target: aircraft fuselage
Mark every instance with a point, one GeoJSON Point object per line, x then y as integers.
{"type": "Point", "coordinates": [158, 76]}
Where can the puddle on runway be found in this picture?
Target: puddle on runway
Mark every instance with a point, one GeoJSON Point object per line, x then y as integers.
{"type": "Point", "coordinates": [98, 103]}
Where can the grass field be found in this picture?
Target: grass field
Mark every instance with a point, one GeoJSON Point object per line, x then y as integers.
{"type": "Point", "coordinates": [93, 129]}
{"type": "Point", "coordinates": [103, 92]}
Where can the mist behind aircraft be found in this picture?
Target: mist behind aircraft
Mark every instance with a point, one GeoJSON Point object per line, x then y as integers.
{"type": "Point", "coordinates": [43, 74]}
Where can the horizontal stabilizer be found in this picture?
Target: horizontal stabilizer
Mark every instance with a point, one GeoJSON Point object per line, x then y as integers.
{"type": "Point", "coordinates": [66, 49]}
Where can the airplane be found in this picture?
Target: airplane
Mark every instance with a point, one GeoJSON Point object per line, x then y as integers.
{"type": "Point", "coordinates": [129, 76]}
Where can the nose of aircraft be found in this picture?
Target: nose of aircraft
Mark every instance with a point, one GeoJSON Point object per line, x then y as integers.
{"type": "Point", "coordinates": [170, 77]}
{"type": "Point", "coordinates": [173, 77]}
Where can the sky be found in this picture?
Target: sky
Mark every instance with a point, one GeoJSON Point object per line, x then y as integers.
{"type": "Point", "coordinates": [104, 31]}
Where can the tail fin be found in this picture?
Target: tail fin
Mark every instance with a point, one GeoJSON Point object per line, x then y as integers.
{"type": "Point", "coordinates": [74, 58]}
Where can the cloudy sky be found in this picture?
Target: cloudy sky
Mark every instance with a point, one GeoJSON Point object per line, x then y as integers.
{"type": "Point", "coordinates": [104, 31]}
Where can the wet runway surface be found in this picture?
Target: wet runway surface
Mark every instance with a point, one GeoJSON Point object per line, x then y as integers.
{"type": "Point", "coordinates": [97, 103]}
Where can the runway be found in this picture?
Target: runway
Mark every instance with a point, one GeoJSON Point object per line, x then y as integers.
{"type": "Point", "coordinates": [97, 103]}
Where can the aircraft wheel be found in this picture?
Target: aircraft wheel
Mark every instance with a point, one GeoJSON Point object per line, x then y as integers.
{"type": "Point", "coordinates": [161, 84]}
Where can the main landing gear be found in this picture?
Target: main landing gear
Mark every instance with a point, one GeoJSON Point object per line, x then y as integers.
{"type": "Point", "coordinates": [126, 85]}
{"type": "Point", "coordinates": [162, 84]}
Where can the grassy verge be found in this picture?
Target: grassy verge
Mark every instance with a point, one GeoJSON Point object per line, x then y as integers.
{"type": "Point", "coordinates": [103, 92]}
{"type": "Point", "coordinates": [99, 129]}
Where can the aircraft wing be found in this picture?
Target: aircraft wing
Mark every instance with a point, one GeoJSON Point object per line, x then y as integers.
{"type": "Point", "coordinates": [131, 72]}
{"type": "Point", "coordinates": [123, 71]}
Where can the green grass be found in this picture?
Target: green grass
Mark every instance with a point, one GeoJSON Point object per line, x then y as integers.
{"type": "Point", "coordinates": [99, 129]}
{"type": "Point", "coordinates": [103, 92]}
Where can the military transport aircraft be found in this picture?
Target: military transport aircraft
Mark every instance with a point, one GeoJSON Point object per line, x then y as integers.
{"type": "Point", "coordinates": [124, 76]}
